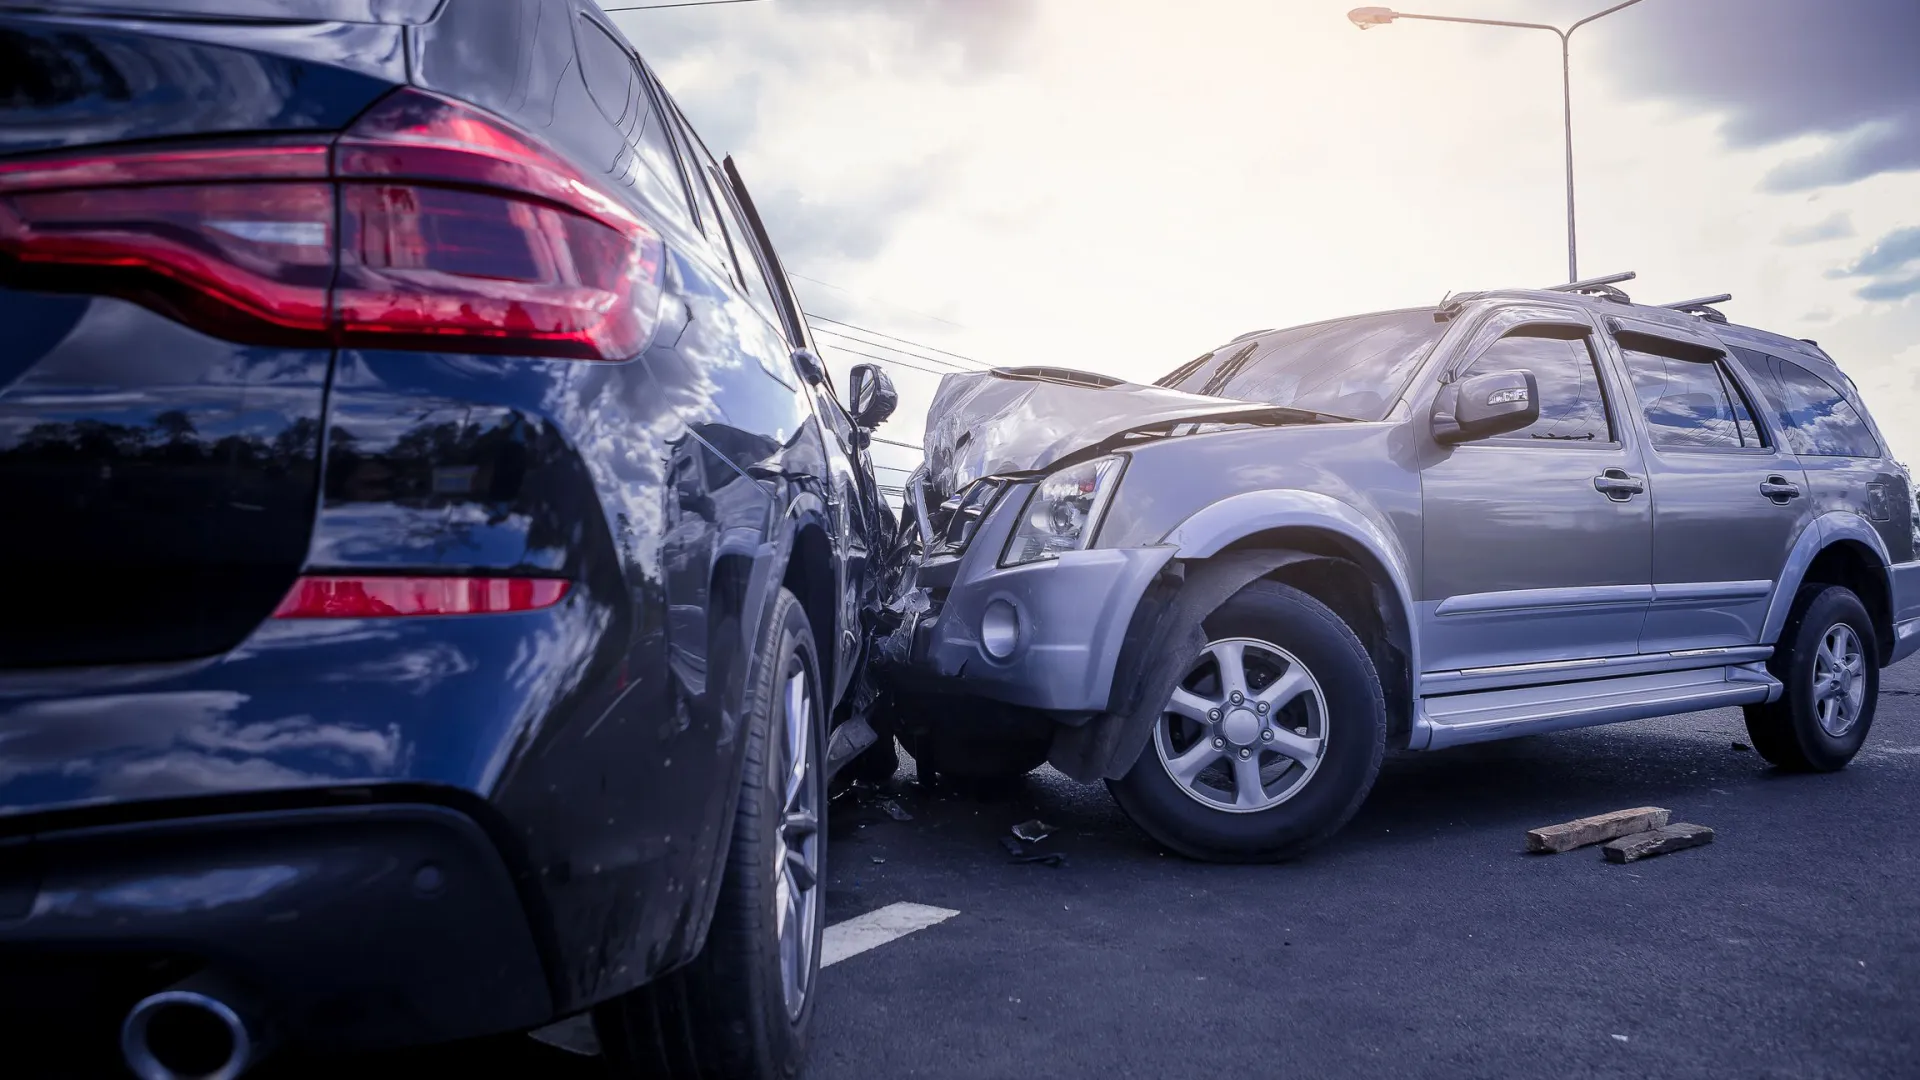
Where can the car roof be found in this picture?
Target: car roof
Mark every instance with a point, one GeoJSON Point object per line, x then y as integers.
{"type": "Point", "coordinates": [1732, 333]}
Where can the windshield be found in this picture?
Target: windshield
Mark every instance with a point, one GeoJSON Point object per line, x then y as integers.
{"type": "Point", "coordinates": [1349, 367]}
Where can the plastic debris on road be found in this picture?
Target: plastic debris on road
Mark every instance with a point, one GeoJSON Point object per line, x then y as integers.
{"type": "Point", "coordinates": [1021, 854]}
{"type": "Point", "coordinates": [1033, 831]}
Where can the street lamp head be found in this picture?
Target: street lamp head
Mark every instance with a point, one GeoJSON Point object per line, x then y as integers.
{"type": "Point", "coordinates": [1364, 17]}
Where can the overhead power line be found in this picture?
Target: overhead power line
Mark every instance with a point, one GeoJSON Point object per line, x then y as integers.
{"type": "Point", "coordinates": [892, 360]}
{"type": "Point", "coordinates": [895, 348]}
{"type": "Point", "coordinates": [901, 340]}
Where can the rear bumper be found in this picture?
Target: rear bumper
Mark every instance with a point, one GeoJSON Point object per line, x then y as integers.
{"type": "Point", "coordinates": [355, 927]}
{"type": "Point", "coordinates": [1059, 624]}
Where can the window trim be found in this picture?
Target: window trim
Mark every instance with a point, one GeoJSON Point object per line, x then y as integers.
{"type": "Point", "coordinates": [1879, 444]}
{"type": "Point", "coordinates": [1725, 365]}
{"type": "Point", "coordinates": [1454, 371]}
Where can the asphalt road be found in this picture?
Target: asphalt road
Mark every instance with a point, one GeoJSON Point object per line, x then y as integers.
{"type": "Point", "coordinates": [1422, 941]}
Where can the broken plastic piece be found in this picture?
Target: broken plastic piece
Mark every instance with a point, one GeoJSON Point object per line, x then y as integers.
{"type": "Point", "coordinates": [1033, 831]}
{"type": "Point", "coordinates": [895, 810]}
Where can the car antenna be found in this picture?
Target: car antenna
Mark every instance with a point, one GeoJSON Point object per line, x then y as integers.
{"type": "Point", "coordinates": [1703, 307]}
{"type": "Point", "coordinates": [1599, 286]}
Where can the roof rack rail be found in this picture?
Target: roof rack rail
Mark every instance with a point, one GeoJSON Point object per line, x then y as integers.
{"type": "Point", "coordinates": [1599, 286]}
{"type": "Point", "coordinates": [1703, 307]}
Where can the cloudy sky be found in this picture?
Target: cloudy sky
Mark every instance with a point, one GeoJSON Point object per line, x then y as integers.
{"type": "Point", "coordinates": [1121, 185]}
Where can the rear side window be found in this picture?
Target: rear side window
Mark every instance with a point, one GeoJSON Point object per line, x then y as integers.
{"type": "Point", "coordinates": [1817, 419]}
{"type": "Point", "coordinates": [1691, 403]}
{"type": "Point", "coordinates": [1572, 406]}
{"type": "Point", "coordinates": [610, 75]}
{"type": "Point", "coordinates": [619, 90]}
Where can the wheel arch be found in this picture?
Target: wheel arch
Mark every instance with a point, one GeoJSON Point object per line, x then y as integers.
{"type": "Point", "coordinates": [1316, 523]}
{"type": "Point", "coordinates": [1309, 541]}
{"type": "Point", "coordinates": [810, 575]}
{"type": "Point", "coordinates": [1357, 585]}
{"type": "Point", "coordinates": [1843, 549]}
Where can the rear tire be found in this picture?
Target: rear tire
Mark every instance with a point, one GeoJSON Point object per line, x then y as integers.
{"type": "Point", "coordinates": [1828, 661]}
{"type": "Point", "coordinates": [731, 1014]}
{"type": "Point", "coordinates": [1252, 786]}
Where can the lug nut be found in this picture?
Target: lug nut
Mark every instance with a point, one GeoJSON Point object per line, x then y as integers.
{"type": "Point", "coordinates": [1267, 735]}
{"type": "Point", "coordinates": [1213, 715]}
{"type": "Point", "coordinates": [1218, 743]}
{"type": "Point", "coordinates": [1245, 753]}
{"type": "Point", "coordinates": [1238, 697]}
{"type": "Point", "coordinates": [1261, 708]}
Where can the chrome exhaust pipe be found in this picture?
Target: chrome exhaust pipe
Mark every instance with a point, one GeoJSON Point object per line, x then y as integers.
{"type": "Point", "coordinates": [197, 1029]}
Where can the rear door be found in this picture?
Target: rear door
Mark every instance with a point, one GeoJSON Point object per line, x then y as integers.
{"type": "Point", "coordinates": [1728, 499]}
{"type": "Point", "coordinates": [1538, 543]}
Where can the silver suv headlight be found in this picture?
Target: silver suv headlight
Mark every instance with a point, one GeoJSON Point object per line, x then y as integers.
{"type": "Point", "coordinates": [1063, 512]}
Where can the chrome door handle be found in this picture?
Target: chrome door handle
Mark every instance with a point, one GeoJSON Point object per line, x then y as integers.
{"type": "Point", "coordinates": [1617, 485]}
{"type": "Point", "coordinates": [1779, 489]}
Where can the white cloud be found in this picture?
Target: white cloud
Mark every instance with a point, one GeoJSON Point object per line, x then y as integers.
{"type": "Point", "coordinates": [1122, 186]}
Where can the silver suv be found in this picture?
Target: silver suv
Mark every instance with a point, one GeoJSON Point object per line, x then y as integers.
{"type": "Point", "coordinates": [1521, 511]}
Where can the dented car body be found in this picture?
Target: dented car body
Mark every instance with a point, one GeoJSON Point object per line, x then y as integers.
{"type": "Point", "coordinates": [1522, 511]}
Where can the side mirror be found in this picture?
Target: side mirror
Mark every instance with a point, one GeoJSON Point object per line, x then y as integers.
{"type": "Point", "coordinates": [874, 397]}
{"type": "Point", "coordinates": [1484, 406]}
{"type": "Point", "coordinates": [811, 369]}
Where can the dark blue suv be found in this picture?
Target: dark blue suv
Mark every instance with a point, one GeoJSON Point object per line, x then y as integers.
{"type": "Point", "coordinates": [438, 559]}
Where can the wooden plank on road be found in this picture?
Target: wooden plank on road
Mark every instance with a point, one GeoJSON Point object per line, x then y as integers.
{"type": "Point", "coordinates": [1677, 837]}
{"type": "Point", "coordinates": [1593, 830]}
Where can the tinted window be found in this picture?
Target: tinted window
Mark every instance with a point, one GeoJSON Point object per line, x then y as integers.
{"type": "Point", "coordinates": [744, 250]}
{"type": "Point", "coordinates": [1353, 367]}
{"type": "Point", "coordinates": [1572, 406]}
{"type": "Point", "coordinates": [1817, 418]}
{"type": "Point", "coordinates": [619, 90]}
{"type": "Point", "coordinates": [610, 75]}
{"type": "Point", "coordinates": [696, 160]}
{"type": "Point", "coordinates": [1690, 404]}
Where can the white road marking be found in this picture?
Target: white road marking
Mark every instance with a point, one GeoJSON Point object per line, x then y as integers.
{"type": "Point", "coordinates": [841, 940]}
{"type": "Point", "coordinates": [876, 928]}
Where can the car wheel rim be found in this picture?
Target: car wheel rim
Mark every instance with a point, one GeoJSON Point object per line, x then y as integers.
{"type": "Point", "coordinates": [1245, 729]}
{"type": "Point", "coordinates": [797, 852]}
{"type": "Point", "coordinates": [1839, 680]}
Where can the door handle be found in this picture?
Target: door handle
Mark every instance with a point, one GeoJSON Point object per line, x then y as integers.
{"type": "Point", "coordinates": [1617, 485]}
{"type": "Point", "coordinates": [1779, 489]}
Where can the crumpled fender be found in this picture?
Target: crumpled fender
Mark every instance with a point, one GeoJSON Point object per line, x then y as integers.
{"type": "Point", "coordinates": [1106, 747]}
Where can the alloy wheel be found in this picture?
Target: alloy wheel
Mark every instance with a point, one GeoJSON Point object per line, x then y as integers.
{"type": "Point", "coordinates": [1839, 679]}
{"type": "Point", "coordinates": [1245, 729]}
{"type": "Point", "coordinates": [797, 852]}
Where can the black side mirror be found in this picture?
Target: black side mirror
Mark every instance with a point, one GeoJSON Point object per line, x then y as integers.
{"type": "Point", "coordinates": [811, 369]}
{"type": "Point", "coordinates": [874, 397]}
{"type": "Point", "coordinates": [1484, 406]}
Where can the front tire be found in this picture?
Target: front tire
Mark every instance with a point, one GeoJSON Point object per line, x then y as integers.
{"type": "Point", "coordinates": [1828, 662]}
{"type": "Point", "coordinates": [740, 1010]}
{"type": "Point", "coordinates": [1271, 741]}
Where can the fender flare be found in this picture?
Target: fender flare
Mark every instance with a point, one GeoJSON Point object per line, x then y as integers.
{"type": "Point", "coordinates": [1819, 534]}
{"type": "Point", "coordinates": [1107, 747]}
{"type": "Point", "coordinates": [1237, 517]}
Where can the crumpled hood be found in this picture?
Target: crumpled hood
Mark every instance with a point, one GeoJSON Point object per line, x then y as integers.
{"type": "Point", "coordinates": [1025, 419]}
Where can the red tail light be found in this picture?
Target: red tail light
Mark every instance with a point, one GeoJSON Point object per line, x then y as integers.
{"type": "Point", "coordinates": [428, 224]}
{"type": "Point", "coordinates": [382, 597]}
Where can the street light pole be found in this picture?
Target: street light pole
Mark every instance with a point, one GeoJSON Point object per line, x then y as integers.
{"type": "Point", "coordinates": [1366, 17]}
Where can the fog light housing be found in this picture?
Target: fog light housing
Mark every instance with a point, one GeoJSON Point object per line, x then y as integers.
{"type": "Point", "coordinates": [999, 629]}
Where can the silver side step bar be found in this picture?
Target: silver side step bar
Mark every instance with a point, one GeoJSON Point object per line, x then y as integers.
{"type": "Point", "coordinates": [1459, 719]}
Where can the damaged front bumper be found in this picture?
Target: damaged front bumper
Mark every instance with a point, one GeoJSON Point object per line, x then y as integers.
{"type": "Point", "coordinates": [1046, 635]}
